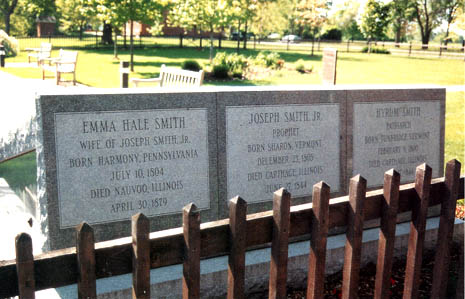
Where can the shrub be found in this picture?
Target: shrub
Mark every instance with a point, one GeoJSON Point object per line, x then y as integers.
{"type": "Point", "coordinates": [268, 59]}
{"type": "Point", "coordinates": [220, 71]}
{"type": "Point", "coordinates": [332, 34]}
{"type": "Point", "coordinates": [191, 65]}
{"type": "Point", "coordinates": [300, 66]}
{"type": "Point", "coordinates": [235, 64]}
{"type": "Point", "coordinates": [376, 50]}
{"type": "Point", "coordinates": [10, 44]}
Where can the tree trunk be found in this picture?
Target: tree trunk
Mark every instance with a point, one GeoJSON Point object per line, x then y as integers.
{"type": "Point", "coordinates": [107, 38]}
{"type": "Point", "coordinates": [211, 45]}
{"type": "Point", "coordinates": [424, 42]}
{"type": "Point", "coordinates": [313, 44]}
{"type": "Point", "coordinates": [115, 48]}
{"type": "Point", "coordinates": [180, 39]}
{"type": "Point", "coordinates": [7, 23]}
{"type": "Point", "coordinates": [238, 36]}
{"type": "Point", "coordinates": [7, 11]}
{"type": "Point", "coordinates": [124, 35]}
{"type": "Point", "coordinates": [446, 38]}
{"type": "Point", "coordinates": [81, 29]}
{"type": "Point", "coordinates": [201, 39]}
{"type": "Point", "coordinates": [398, 34]}
{"type": "Point", "coordinates": [131, 46]}
{"type": "Point", "coordinates": [245, 35]}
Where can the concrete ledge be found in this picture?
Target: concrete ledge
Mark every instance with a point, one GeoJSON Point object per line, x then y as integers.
{"type": "Point", "coordinates": [167, 283]}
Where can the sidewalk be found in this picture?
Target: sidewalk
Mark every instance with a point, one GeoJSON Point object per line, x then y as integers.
{"type": "Point", "coordinates": [454, 88]}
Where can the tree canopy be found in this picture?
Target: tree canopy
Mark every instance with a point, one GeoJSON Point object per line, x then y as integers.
{"type": "Point", "coordinates": [375, 19]}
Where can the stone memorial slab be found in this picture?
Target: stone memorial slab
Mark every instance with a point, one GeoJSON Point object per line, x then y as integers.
{"type": "Point", "coordinates": [329, 66]}
{"type": "Point", "coordinates": [274, 139]}
{"type": "Point", "coordinates": [398, 129]}
{"type": "Point", "coordinates": [108, 157]}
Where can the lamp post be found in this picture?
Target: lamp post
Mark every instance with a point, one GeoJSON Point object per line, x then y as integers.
{"type": "Point", "coordinates": [2, 56]}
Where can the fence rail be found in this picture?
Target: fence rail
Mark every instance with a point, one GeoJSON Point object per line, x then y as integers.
{"type": "Point", "coordinates": [94, 42]}
{"type": "Point", "coordinates": [187, 245]}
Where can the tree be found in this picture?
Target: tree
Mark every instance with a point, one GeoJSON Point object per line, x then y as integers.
{"type": "Point", "coordinates": [118, 12]}
{"type": "Point", "coordinates": [75, 14]}
{"type": "Point", "coordinates": [345, 18]}
{"type": "Point", "coordinates": [270, 18]}
{"type": "Point", "coordinates": [428, 15]}
{"type": "Point", "coordinates": [210, 15]}
{"type": "Point", "coordinates": [375, 19]}
{"type": "Point", "coordinates": [401, 15]}
{"type": "Point", "coordinates": [7, 8]}
{"type": "Point", "coordinates": [32, 10]}
{"type": "Point", "coordinates": [243, 12]}
{"type": "Point", "coordinates": [311, 13]}
{"type": "Point", "coordinates": [451, 11]}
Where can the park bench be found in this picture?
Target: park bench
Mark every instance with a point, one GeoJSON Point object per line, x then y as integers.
{"type": "Point", "coordinates": [65, 63]}
{"type": "Point", "coordinates": [43, 52]}
{"type": "Point", "coordinates": [173, 77]}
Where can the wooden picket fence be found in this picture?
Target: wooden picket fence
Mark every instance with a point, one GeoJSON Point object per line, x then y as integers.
{"type": "Point", "coordinates": [89, 261]}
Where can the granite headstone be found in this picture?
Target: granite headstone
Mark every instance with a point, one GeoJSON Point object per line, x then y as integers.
{"type": "Point", "coordinates": [279, 138]}
{"type": "Point", "coordinates": [108, 157]}
{"type": "Point", "coordinates": [395, 128]}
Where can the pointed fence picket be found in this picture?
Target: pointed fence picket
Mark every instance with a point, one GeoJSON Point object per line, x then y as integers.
{"type": "Point", "coordinates": [87, 262]}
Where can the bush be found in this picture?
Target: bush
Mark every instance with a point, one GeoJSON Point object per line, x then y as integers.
{"type": "Point", "coordinates": [300, 67]}
{"type": "Point", "coordinates": [235, 64]}
{"type": "Point", "coordinates": [10, 44]}
{"type": "Point", "coordinates": [191, 65]}
{"type": "Point", "coordinates": [332, 34]}
{"type": "Point", "coordinates": [376, 50]}
{"type": "Point", "coordinates": [220, 71]}
{"type": "Point", "coordinates": [268, 59]}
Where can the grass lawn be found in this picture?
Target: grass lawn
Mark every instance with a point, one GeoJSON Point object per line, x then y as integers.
{"type": "Point", "coordinates": [98, 68]}
{"type": "Point", "coordinates": [454, 147]}
{"type": "Point", "coordinates": [20, 172]}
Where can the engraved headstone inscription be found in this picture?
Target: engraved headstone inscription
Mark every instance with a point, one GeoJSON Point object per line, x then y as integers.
{"type": "Point", "coordinates": [108, 157]}
{"type": "Point", "coordinates": [398, 129]}
{"type": "Point", "coordinates": [276, 139]}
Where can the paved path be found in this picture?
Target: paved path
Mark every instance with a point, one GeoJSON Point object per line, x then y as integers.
{"type": "Point", "coordinates": [455, 88]}
{"type": "Point", "coordinates": [17, 98]}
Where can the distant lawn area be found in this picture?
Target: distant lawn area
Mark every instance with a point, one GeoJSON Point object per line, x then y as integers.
{"type": "Point", "coordinates": [98, 68]}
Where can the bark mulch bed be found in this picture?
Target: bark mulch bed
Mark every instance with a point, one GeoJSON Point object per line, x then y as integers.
{"type": "Point", "coordinates": [333, 282]}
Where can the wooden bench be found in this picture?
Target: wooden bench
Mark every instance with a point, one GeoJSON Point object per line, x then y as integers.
{"type": "Point", "coordinates": [173, 77]}
{"type": "Point", "coordinates": [65, 63]}
{"type": "Point", "coordinates": [43, 52]}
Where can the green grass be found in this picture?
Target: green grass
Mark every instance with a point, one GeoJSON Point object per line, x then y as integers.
{"type": "Point", "coordinates": [98, 68]}
{"type": "Point", "coordinates": [20, 172]}
{"type": "Point", "coordinates": [454, 147]}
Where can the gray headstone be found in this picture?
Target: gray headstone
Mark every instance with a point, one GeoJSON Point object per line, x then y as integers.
{"type": "Point", "coordinates": [103, 158]}
{"type": "Point", "coordinates": [108, 157]}
{"type": "Point", "coordinates": [279, 139]}
{"type": "Point", "coordinates": [398, 129]}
